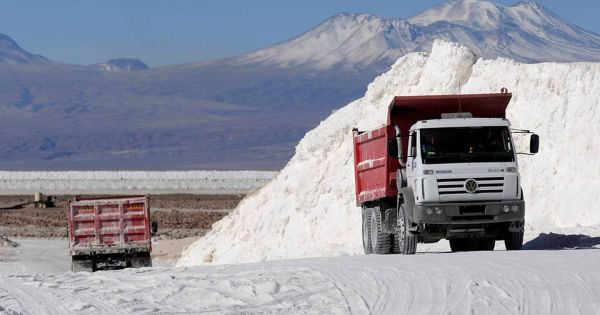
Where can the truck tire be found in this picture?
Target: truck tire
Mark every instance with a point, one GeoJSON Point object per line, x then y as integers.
{"type": "Point", "coordinates": [366, 230]}
{"type": "Point", "coordinates": [514, 240]}
{"type": "Point", "coordinates": [78, 265]}
{"type": "Point", "coordinates": [141, 260]}
{"type": "Point", "coordinates": [487, 244]}
{"type": "Point", "coordinates": [380, 241]}
{"type": "Point", "coordinates": [457, 245]}
{"type": "Point", "coordinates": [405, 242]}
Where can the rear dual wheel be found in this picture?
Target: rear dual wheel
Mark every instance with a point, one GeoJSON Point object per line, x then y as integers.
{"type": "Point", "coordinates": [380, 240]}
{"type": "Point", "coordinates": [366, 230]}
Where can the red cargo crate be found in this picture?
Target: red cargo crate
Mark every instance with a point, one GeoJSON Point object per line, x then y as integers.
{"type": "Point", "coordinates": [109, 225]}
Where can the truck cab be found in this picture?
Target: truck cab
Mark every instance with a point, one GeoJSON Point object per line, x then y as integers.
{"type": "Point", "coordinates": [453, 175]}
{"type": "Point", "coordinates": [464, 176]}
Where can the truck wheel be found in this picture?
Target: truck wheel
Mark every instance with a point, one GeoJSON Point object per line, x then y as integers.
{"type": "Point", "coordinates": [380, 241]}
{"type": "Point", "coordinates": [78, 265]}
{"type": "Point", "coordinates": [140, 261]}
{"type": "Point", "coordinates": [487, 244]}
{"type": "Point", "coordinates": [514, 240]}
{"type": "Point", "coordinates": [457, 245]}
{"type": "Point", "coordinates": [395, 244]}
{"type": "Point", "coordinates": [366, 230]}
{"type": "Point", "coordinates": [404, 239]}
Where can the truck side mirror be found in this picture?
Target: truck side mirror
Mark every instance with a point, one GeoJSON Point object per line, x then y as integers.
{"type": "Point", "coordinates": [534, 143]}
{"type": "Point", "coordinates": [153, 227]}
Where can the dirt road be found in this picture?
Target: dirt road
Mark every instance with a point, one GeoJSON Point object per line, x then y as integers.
{"type": "Point", "coordinates": [178, 216]}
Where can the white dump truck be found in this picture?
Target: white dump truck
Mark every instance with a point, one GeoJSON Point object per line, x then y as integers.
{"type": "Point", "coordinates": [443, 167]}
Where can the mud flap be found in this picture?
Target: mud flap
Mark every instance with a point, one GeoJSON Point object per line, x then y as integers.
{"type": "Point", "coordinates": [141, 260]}
{"type": "Point", "coordinates": [78, 264]}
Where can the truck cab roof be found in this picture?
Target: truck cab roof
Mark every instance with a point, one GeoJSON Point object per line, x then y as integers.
{"type": "Point", "coordinates": [460, 122]}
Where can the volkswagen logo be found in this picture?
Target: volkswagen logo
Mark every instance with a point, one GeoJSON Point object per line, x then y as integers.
{"type": "Point", "coordinates": [471, 185]}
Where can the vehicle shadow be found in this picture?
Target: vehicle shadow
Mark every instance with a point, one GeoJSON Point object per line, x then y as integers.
{"type": "Point", "coordinates": [554, 241]}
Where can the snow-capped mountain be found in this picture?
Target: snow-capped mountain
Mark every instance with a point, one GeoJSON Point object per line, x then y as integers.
{"type": "Point", "coordinates": [525, 32]}
{"type": "Point", "coordinates": [123, 65]}
{"type": "Point", "coordinates": [11, 53]}
{"type": "Point", "coordinates": [247, 111]}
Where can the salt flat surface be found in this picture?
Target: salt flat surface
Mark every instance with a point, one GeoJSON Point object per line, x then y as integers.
{"type": "Point", "coordinates": [33, 256]}
{"type": "Point", "coordinates": [119, 182]}
{"type": "Point", "coordinates": [528, 282]}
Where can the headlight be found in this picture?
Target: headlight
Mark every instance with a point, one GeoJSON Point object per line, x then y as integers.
{"type": "Point", "coordinates": [438, 210]}
{"type": "Point", "coordinates": [427, 172]}
{"type": "Point", "coordinates": [429, 211]}
{"type": "Point", "coordinates": [514, 208]}
{"type": "Point", "coordinates": [505, 208]}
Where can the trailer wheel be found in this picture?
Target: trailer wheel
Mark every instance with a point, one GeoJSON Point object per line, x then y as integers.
{"type": "Point", "coordinates": [380, 241]}
{"type": "Point", "coordinates": [457, 245]}
{"type": "Point", "coordinates": [395, 244]}
{"type": "Point", "coordinates": [487, 244]}
{"type": "Point", "coordinates": [141, 260]}
{"type": "Point", "coordinates": [366, 230]}
{"type": "Point", "coordinates": [78, 265]}
{"type": "Point", "coordinates": [514, 240]}
{"type": "Point", "coordinates": [404, 240]}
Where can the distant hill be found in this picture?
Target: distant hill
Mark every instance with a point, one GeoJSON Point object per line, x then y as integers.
{"type": "Point", "coordinates": [122, 65]}
{"type": "Point", "coordinates": [12, 53]}
{"type": "Point", "coordinates": [248, 111]}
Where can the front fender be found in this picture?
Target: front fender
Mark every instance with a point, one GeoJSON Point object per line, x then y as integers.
{"type": "Point", "coordinates": [408, 198]}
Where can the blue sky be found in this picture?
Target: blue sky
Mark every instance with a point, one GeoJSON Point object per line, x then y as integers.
{"type": "Point", "coordinates": [178, 31]}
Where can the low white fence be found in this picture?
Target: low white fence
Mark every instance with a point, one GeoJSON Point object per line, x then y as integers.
{"type": "Point", "coordinates": [120, 182]}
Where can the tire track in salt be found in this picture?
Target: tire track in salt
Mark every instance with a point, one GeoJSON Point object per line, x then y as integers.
{"type": "Point", "coordinates": [31, 300]}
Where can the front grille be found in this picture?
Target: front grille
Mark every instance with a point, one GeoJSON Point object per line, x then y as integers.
{"type": "Point", "coordinates": [453, 186]}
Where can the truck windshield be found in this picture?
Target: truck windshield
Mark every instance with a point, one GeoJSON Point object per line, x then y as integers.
{"type": "Point", "coordinates": [466, 144]}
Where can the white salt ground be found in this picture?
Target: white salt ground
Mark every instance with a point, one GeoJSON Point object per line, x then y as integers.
{"type": "Point", "coordinates": [531, 282]}
{"type": "Point", "coordinates": [308, 210]}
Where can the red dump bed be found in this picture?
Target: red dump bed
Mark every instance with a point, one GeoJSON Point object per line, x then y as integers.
{"type": "Point", "coordinates": [375, 170]}
{"type": "Point", "coordinates": [109, 225]}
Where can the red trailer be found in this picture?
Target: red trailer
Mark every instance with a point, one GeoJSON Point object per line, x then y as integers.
{"type": "Point", "coordinates": [111, 232]}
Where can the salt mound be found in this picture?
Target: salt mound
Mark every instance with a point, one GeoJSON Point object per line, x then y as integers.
{"type": "Point", "coordinates": [309, 210]}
